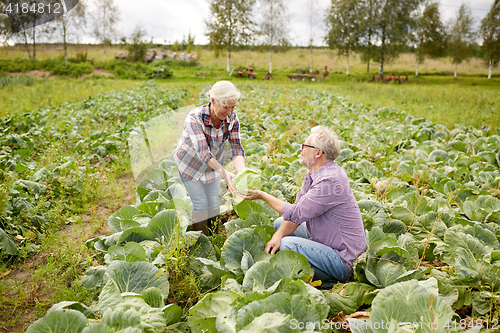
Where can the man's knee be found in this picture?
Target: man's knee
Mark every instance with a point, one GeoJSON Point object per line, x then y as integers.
{"type": "Point", "coordinates": [277, 223]}
{"type": "Point", "coordinates": [287, 243]}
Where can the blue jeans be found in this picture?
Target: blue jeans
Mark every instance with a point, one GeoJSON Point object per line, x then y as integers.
{"type": "Point", "coordinates": [203, 196]}
{"type": "Point", "coordinates": [320, 256]}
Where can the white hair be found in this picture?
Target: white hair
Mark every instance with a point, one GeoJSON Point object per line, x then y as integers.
{"type": "Point", "coordinates": [222, 92]}
{"type": "Point", "coordinates": [326, 140]}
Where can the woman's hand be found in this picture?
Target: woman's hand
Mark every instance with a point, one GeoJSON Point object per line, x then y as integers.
{"type": "Point", "coordinates": [229, 177]}
{"type": "Point", "coordinates": [254, 194]}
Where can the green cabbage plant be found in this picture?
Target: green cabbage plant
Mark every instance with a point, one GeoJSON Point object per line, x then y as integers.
{"type": "Point", "coordinates": [247, 179]}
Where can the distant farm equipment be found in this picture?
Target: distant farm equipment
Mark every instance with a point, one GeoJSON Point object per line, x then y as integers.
{"type": "Point", "coordinates": [309, 76]}
{"type": "Point", "coordinates": [249, 72]}
{"type": "Point", "coordinates": [391, 77]}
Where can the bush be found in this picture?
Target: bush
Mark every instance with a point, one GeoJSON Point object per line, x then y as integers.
{"type": "Point", "coordinates": [22, 80]}
{"type": "Point", "coordinates": [56, 66]}
{"type": "Point", "coordinates": [70, 69]}
{"type": "Point", "coordinates": [127, 70]}
{"type": "Point", "coordinates": [176, 63]}
{"type": "Point", "coordinates": [158, 71]}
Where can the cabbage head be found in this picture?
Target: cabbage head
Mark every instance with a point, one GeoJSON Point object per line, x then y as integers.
{"type": "Point", "coordinates": [247, 179]}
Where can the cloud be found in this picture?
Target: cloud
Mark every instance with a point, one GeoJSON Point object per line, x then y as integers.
{"type": "Point", "coordinates": [169, 20]}
{"type": "Point", "coordinates": [164, 20]}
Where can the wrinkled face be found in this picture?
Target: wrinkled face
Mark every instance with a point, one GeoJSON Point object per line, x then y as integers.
{"type": "Point", "coordinates": [307, 154]}
{"type": "Point", "coordinates": [222, 110]}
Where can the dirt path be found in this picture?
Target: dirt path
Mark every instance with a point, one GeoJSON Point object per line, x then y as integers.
{"type": "Point", "coordinates": [24, 297]}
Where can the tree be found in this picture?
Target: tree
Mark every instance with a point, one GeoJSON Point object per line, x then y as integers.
{"type": "Point", "coordinates": [461, 36]}
{"type": "Point", "coordinates": [5, 30]}
{"type": "Point", "coordinates": [343, 22]}
{"type": "Point", "coordinates": [189, 43]}
{"type": "Point", "coordinates": [138, 47]}
{"type": "Point", "coordinates": [30, 26]}
{"type": "Point", "coordinates": [70, 24]}
{"type": "Point", "coordinates": [105, 17]}
{"type": "Point", "coordinates": [392, 26]}
{"type": "Point", "coordinates": [490, 32]}
{"type": "Point", "coordinates": [230, 25]}
{"type": "Point", "coordinates": [367, 13]}
{"type": "Point", "coordinates": [431, 34]}
{"type": "Point", "coordinates": [273, 25]}
{"type": "Point", "coordinates": [312, 18]}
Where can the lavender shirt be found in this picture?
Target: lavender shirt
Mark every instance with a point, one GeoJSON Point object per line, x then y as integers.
{"type": "Point", "coordinates": [327, 205]}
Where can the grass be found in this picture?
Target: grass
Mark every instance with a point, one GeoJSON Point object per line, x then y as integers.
{"type": "Point", "coordinates": [446, 104]}
{"type": "Point", "coordinates": [443, 100]}
{"type": "Point", "coordinates": [53, 92]}
{"type": "Point", "coordinates": [466, 100]}
{"type": "Point", "coordinates": [299, 59]}
{"type": "Point", "coordinates": [45, 51]}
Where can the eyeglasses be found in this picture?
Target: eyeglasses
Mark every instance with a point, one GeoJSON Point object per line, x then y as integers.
{"type": "Point", "coordinates": [304, 145]}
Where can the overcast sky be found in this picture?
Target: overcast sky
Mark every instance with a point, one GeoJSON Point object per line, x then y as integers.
{"type": "Point", "coordinates": [171, 20]}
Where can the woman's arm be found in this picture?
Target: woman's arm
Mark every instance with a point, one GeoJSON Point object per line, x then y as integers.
{"type": "Point", "coordinates": [237, 152]}
{"type": "Point", "coordinates": [228, 176]}
{"type": "Point", "coordinates": [239, 163]}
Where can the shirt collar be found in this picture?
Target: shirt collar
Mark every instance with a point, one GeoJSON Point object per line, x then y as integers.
{"type": "Point", "coordinates": [315, 176]}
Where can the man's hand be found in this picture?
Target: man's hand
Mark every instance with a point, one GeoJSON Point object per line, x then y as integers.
{"type": "Point", "coordinates": [273, 245]}
{"type": "Point", "coordinates": [275, 203]}
{"type": "Point", "coordinates": [254, 194]}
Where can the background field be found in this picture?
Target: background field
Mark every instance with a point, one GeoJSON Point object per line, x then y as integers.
{"type": "Point", "coordinates": [31, 284]}
{"type": "Point", "coordinates": [290, 60]}
{"type": "Point", "coordinates": [471, 99]}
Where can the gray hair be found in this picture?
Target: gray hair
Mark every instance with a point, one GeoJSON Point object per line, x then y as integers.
{"type": "Point", "coordinates": [222, 92]}
{"type": "Point", "coordinates": [326, 140]}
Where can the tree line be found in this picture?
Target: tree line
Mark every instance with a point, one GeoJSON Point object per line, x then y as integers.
{"type": "Point", "coordinates": [100, 22]}
{"type": "Point", "coordinates": [378, 29]}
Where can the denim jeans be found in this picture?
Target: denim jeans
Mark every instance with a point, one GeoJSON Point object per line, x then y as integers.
{"type": "Point", "coordinates": [203, 196]}
{"type": "Point", "coordinates": [320, 256]}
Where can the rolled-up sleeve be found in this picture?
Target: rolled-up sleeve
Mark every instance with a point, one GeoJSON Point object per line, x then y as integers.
{"type": "Point", "coordinates": [234, 140]}
{"type": "Point", "coordinates": [320, 198]}
{"type": "Point", "coordinates": [194, 128]}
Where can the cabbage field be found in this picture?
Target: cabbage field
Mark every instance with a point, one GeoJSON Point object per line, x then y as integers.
{"type": "Point", "coordinates": [429, 197]}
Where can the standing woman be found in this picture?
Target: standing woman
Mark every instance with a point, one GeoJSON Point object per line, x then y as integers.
{"type": "Point", "coordinates": [200, 152]}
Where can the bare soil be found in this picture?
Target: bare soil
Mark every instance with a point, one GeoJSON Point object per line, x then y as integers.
{"type": "Point", "coordinates": [99, 71]}
{"type": "Point", "coordinates": [23, 294]}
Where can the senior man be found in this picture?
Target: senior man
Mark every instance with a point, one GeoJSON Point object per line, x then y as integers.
{"type": "Point", "coordinates": [332, 236]}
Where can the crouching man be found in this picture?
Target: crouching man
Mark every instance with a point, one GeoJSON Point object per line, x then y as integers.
{"type": "Point", "coordinates": [332, 236]}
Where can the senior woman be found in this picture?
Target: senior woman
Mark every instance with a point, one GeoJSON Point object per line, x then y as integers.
{"type": "Point", "coordinates": [200, 152]}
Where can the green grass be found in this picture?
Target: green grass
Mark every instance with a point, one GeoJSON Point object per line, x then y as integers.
{"type": "Point", "coordinates": [447, 103]}
{"type": "Point", "coordinates": [54, 91]}
{"type": "Point", "coordinates": [473, 101]}
{"type": "Point", "coordinates": [442, 99]}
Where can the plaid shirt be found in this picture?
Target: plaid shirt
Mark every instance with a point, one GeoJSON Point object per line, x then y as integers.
{"type": "Point", "coordinates": [201, 141]}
